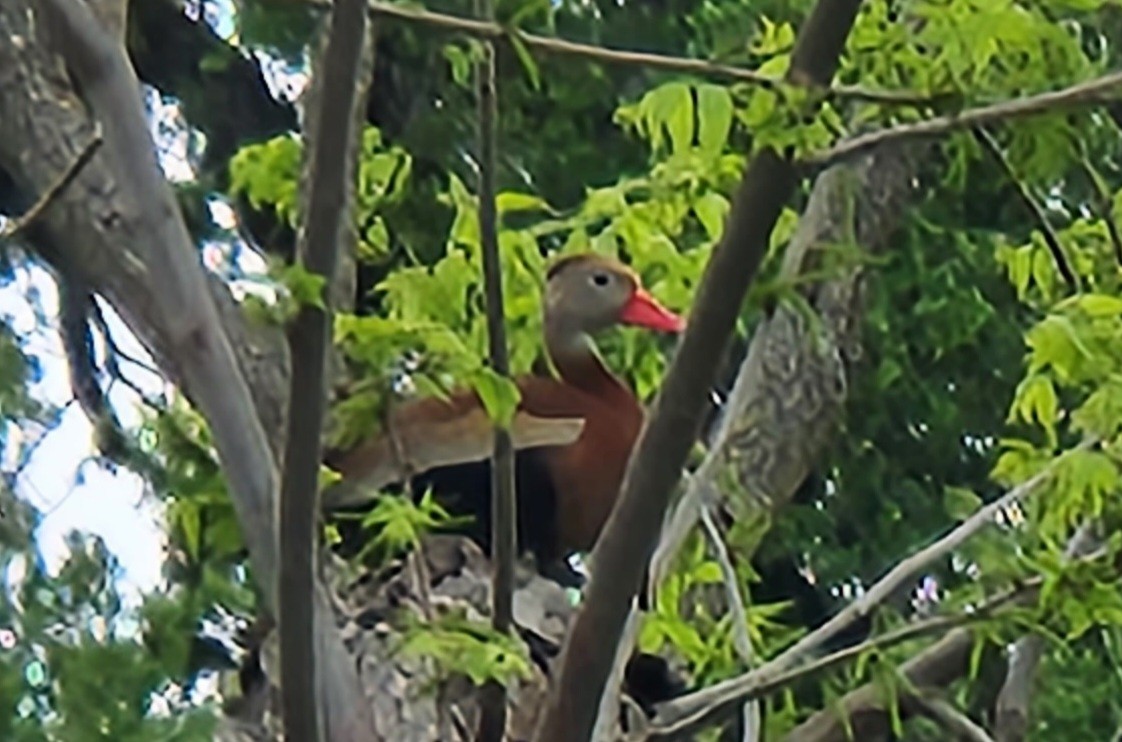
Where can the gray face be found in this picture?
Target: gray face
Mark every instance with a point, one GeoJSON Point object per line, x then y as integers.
{"type": "Point", "coordinates": [587, 297]}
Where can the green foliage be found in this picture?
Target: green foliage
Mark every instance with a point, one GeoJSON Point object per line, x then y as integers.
{"type": "Point", "coordinates": [460, 646]}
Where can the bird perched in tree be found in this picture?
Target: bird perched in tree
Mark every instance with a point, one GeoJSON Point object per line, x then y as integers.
{"type": "Point", "coordinates": [573, 433]}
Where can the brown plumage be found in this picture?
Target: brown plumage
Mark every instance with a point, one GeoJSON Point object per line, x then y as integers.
{"type": "Point", "coordinates": [573, 434]}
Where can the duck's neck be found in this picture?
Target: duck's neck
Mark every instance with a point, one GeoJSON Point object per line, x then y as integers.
{"type": "Point", "coordinates": [574, 355]}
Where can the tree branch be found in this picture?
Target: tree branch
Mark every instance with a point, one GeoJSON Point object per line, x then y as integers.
{"type": "Point", "coordinates": [683, 726]}
{"type": "Point", "coordinates": [862, 713]}
{"type": "Point", "coordinates": [1081, 94]}
{"type": "Point", "coordinates": [504, 516]}
{"type": "Point", "coordinates": [135, 251]}
{"type": "Point", "coordinates": [715, 700]}
{"type": "Point", "coordinates": [741, 639]}
{"type": "Point", "coordinates": [495, 32]}
{"type": "Point", "coordinates": [956, 723]}
{"type": "Point", "coordinates": [13, 228]}
{"type": "Point", "coordinates": [654, 469]}
{"type": "Point", "coordinates": [329, 169]}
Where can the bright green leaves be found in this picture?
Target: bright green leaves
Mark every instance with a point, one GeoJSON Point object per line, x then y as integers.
{"type": "Point", "coordinates": [305, 288]}
{"type": "Point", "coordinates": [714, 118]}
{"type": "Point", "coordinates": [460, 646]}
{"type": "Point", "coordinates": [500, 395]}
{"type": "Point", "coordinates": [399, 524]}
{"type": "Point", "coordinates": [268, 174]}
{"type": "Point", "coordinates": [1036, 402]}
{"type": "Point", "coordinates": [676, 117]}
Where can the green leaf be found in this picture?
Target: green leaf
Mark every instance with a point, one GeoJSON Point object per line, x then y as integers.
{"type": "Point", "coordinates": [960, 503]}
{"type": "Point", "coordinates": [528, 63]}
{"type": "Point", "coordinates": [305, 287]}
{"type": "Point", "coordinates": [714, 114]}
{"type": "Point", "coordinates": [500, 395]}
{"type": "Point", "coordinates": [711, 209]}
{"type": "Point", "coordinates": [509, 202]}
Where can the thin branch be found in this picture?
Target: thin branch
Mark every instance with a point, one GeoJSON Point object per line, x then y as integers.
{"type": "Point", "coordinates": [504, 516]}
{"type": "Point", "coordinates": [1051, 239]}
{"type": "Point", "coordinates": [15, 226]}
{"type": "Point", "coordinates": [766, 684]}
{"type": "Point", "coordinates": [741, 639]}
{"type": "Point", "coordinates": [716, 699]}
{"type": "Point", "coordinates": [496, 33]}
{"type": "Point", "coordinates": [957, 724]}
{"type": "Point", "coordinates": [329, 167]}
{"type": "Point", "coordinates": [654, 469]}
{"type": "Point", "coordinates": [1097, 90]}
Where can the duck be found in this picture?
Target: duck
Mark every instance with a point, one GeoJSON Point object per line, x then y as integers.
{"type": "Point", "coordinates": [573, 430]}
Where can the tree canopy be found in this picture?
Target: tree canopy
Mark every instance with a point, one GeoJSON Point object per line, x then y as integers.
{"type": "Point", "coordinates": [898, 522]}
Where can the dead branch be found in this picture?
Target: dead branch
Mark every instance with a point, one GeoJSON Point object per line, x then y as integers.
{"type": "Point", "coordinates": [330, 169]}
{"type": "Point", "coordinates": [653, 471]}
{"type": "Point", "coordinates": [1081, 94]}
{"type": "Point", "coordinates": [15, 226]}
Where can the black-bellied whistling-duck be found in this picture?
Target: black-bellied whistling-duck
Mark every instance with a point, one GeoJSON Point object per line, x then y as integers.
{"type": "Point", "coordinates": [573, 435]}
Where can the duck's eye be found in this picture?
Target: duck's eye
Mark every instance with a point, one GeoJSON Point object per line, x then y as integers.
{"type": "Point", "coordinates": [600, 279]}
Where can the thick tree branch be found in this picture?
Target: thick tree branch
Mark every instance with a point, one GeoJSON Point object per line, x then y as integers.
{"type": "Point", "coordinates": [330, 169]}
{"type": "Point", "coordinates": [1082, 94]}
{"type": "Point", "coordinates": [495, 32]}
{"type": "Point", "coordinates": [504, 516]}
{"type": "Point", "coordinates": [716, 700]}
{"type": "Point", "coordinates": [654, 469]}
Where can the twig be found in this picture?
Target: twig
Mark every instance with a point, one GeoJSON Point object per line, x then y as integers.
{"type": "Point", "coordinates": [712, 701]}
{"type": "Point", "coordinates": [741, 639]}
{"type": "Point", "coordinates": [957, 724]}
{"type": "Point", "coordinates": [504, 517]}
{"type": "Point", "coordinates": [1080, 94]}
{"type": "Point", "coordinates": [654, 469]}
{"type": "Point", "coordinates": [15, 226]}
{"type": "Point", "coordinates": [495, 32]}
{"type": "Point", "coordinates": [766, 683]}
{"type": "Point", "coordinates": [1051, 239]}
{"type": "Point", "coordinates": [330, 166]}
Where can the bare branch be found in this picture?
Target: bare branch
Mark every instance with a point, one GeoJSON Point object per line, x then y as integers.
{"type": "Point", "coordinates": [710, 701]}
{"type": "Point", "coordinates": [862, 713]}
{"type": "Point", "coordinates": [957, 724]}
{"type": "Point", "coordinates": [1098, 90]}
{"type": "Point", "coordinates": [504, 516]}
{"type": "Point", "coordinates": [1051, 239]}
{"type": "Point", "coordinates": [15, 226]}
{"type": "Point", "coordinates": [495, 32]}
{"type": "Point", "coordinates": [767, 683]}
{"type": "Point", "coordinates": [329, 169]}
{"type": "Point", "coordinates": [741, 639]}
{"type": "Point", "coordinates": [632, 530]}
